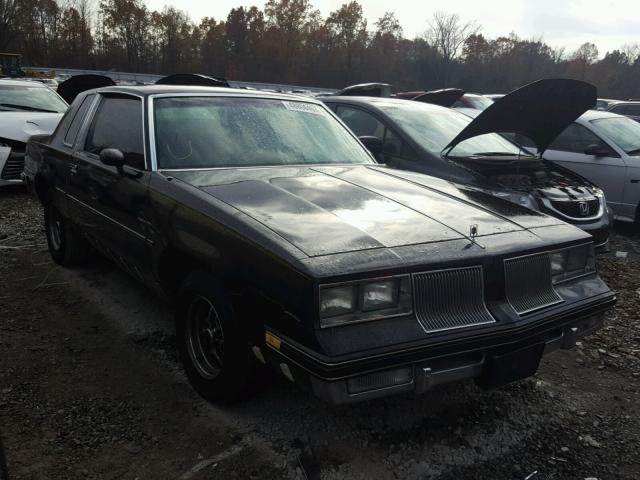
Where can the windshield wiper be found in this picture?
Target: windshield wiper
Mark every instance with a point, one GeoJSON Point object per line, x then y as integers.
{"type": "Point", "coordinates": [497, 154]}
{"type": "Point", "coordinates": [27, 108]}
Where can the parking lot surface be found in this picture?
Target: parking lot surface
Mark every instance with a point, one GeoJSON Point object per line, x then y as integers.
{"type": "Point", "coordinates": [90, 387]}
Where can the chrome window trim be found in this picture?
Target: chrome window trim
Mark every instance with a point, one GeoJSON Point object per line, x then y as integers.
{"type": "Point", "coordinates": [484, 301]}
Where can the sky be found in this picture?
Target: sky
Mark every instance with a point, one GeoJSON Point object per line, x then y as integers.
{"type": "Point", "coordinates": [561, 23]}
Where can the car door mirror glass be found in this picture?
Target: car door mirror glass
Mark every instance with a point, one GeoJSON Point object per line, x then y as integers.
{"type": "Point", "coordinates": [597, 150]}
{"type": "Point", "coordinates": [373, 144]}
{"type": "Point", "coordinates": [112, 157]}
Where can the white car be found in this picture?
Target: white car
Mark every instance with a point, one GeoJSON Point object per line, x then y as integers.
{"type": "Point", "coordinates": [26, 109]}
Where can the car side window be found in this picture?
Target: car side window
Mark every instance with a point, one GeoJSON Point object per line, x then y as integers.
{"type": "Point", "coordinates": [392, 143]}
{"type": "Point", "coordinates": [76, 123]}
{"type": "Point", "coordinates": [575, 139]}
{"type": "Point", "coordinates": [360, 122]}
{"type": "Point", "coordinates": [117, 123]}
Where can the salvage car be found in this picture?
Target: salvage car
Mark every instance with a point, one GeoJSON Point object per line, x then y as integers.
{"type": "Point", "coordinates": [605, 148]}
{"type": "Point", "coordinates": [26, 109]}
{"type": "Point", "coordinates": [283, 243]}
{"type": "Point", "coordinates": [417, 136]}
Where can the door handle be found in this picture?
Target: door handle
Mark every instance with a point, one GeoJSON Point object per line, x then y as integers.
{"type": "Point", "coordinates": [635, 180]}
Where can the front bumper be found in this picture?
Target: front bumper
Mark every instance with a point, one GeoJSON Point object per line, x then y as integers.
{"type": "Point", "coordinates": [421, 369]}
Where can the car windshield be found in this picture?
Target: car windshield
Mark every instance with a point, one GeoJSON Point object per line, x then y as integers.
{"type": "Point", "coordinates": [30, 98]}
{"type": "Point", "coordinates": [209, 132]}
{"type": "Point", "coordinates": [433, 128]}
{"type": "Point", "coordinates": [622, 131]}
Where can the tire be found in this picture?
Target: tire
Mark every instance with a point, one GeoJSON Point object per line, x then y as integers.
{"type": "Point", "coordinates": [212, 344]}
{"type": "Point", "coordinates": [66, 246]}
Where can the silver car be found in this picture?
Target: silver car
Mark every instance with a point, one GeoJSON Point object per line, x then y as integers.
{"type": "Point", "coordinates": [604, 148]}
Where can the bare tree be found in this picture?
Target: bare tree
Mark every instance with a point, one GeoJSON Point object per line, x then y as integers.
{"type": "Point", "coordinates": [447, 33]}
{"type": "Point", "coordinates": [631, 52]}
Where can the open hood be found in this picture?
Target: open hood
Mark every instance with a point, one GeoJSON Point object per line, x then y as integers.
{"type": "Point", "coordinates": [540, 111]}
{"type": "Point", "coordinates": [445, 97]}
{"type": "Point", "coordinates": [71, 88]}
{"type": "Point", "coordinates": [366, 90]}
{"type": "Point", "coordinates": [192, 79]}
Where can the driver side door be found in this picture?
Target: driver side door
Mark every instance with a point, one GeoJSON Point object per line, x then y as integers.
{"type": "Point", "coordinates": [111, 201]}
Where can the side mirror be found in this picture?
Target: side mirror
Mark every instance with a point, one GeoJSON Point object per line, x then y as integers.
{"type": "Point", "coordinates": [373, 144]}
{"type": "Point", "coordinates": [112, 157]}
{"type": "Point", "coordinates": [597, 150]}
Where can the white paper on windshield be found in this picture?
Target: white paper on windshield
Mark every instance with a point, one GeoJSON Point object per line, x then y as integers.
{"type": "Point", "coordinates": [303, 107]}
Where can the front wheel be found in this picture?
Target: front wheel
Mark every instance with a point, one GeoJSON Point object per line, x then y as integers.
{"type": "Point", "coordinates": [213, 347]}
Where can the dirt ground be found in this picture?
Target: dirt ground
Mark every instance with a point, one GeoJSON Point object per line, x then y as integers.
{"type": "Point", "coordinates": [90, 389]}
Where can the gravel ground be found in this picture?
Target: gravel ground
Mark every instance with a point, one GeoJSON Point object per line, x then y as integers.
{"type": "Point", "coordinates": [90, 388]}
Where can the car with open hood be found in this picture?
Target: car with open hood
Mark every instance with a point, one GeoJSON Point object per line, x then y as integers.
{"type": "Point", "coordinates": [605, 148]}
{"type": "Point", "coordinates": [281, 242]}
{"type": "Point", "coordinates": [26, 108]}
{"type": "Point", "coordinates": [445, 143]}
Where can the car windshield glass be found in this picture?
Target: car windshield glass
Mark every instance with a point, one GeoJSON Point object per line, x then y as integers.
{"type": "Point", "coordinates": [208, 132]}
{"type": "Point", "coordinates": [479, 103]}
{"type": "Point", "coordinates": [31, 99]}
{"type": "Point", "coordinates": [434, 127]}
{"type": "Point", "coordinates": [622, 131]}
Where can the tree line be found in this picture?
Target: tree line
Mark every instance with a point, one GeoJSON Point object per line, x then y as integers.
{"type": "Point", "coordinates": [288, 41]}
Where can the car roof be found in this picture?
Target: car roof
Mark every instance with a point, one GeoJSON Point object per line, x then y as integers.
{"type": "Point", "coordinates": [597, 114]}
{"type": "Point", "coordinates": [150, 90]}
{"type": "Point", "coordinates": [380, 102]}
{"type": "Point", "coordinates": [22, 83]}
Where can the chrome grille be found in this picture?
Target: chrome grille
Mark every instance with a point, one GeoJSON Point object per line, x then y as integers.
{"type": "Point", "coordinates": [528, 283]}
{"type": "Point", "coordinates": [449, 299]}
{"type": "Point", "coordinates": [574, 209]}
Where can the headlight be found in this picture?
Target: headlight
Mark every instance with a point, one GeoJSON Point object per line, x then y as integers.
{"type": "Point", "coordinates": [364, 300]}
{"type": "Point", "coordinates": [572, 263]}
{"type": "Point", "coordinates": [338, 300]}
{"type": "Point", "coordinates": [524, 199]}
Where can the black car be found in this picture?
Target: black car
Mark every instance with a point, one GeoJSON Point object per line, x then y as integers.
{"type": "Point", "coordinates": [282, 242]}
{"type": "Point", "coordinates": [445, 143]}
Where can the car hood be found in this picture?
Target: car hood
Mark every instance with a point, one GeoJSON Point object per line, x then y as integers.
{"type": "Point", "coordinates": [445, 97]}
{"type": "Point", "coordinates": [20, 126]}
{"type": "Point", "coordinates": [71, 88]}
{"type": "Point", "coordinates": [540, 111]}
{"type": "Point", "coordinates": [336, 209]}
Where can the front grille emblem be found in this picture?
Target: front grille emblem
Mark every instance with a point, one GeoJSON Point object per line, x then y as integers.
{"type": "Point", "coordinates": [584, 208]}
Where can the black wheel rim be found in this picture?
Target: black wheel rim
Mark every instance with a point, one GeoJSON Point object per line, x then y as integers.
{"type": "Point", "coordinates": [205, 338]}
{"type": "Point", "coordinates": [55, 230]}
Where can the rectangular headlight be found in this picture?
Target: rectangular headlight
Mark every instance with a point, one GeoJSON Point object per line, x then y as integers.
{"type": "Point", "coordinates": [379, 295]}
{"type": "Point", "coordinates": [572, 262]}
{"type": "Point", "coordinates": [336, 301]}
{"type": "Point", "coordinates": [360, 301]}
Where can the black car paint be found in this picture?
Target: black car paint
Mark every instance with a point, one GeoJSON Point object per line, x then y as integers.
{"type": "Point", "coordinates": [237, 223]}
{"type": "Point", "coordinates": [469, 171]}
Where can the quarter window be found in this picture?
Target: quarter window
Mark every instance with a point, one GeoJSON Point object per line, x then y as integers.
{"type": "Point", "coordinates": [74, 128]}
{"type": "Point", "coordinates": [118, 124]}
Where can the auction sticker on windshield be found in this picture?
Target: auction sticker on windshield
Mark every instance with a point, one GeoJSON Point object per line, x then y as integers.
{"type": "Point", "coordinates": [303, 107]}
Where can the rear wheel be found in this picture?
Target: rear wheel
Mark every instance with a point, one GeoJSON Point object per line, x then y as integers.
{"type": "Point", "coordinates": [214, 349]}
{"type": "Point", "coordinates": [66, 246]}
